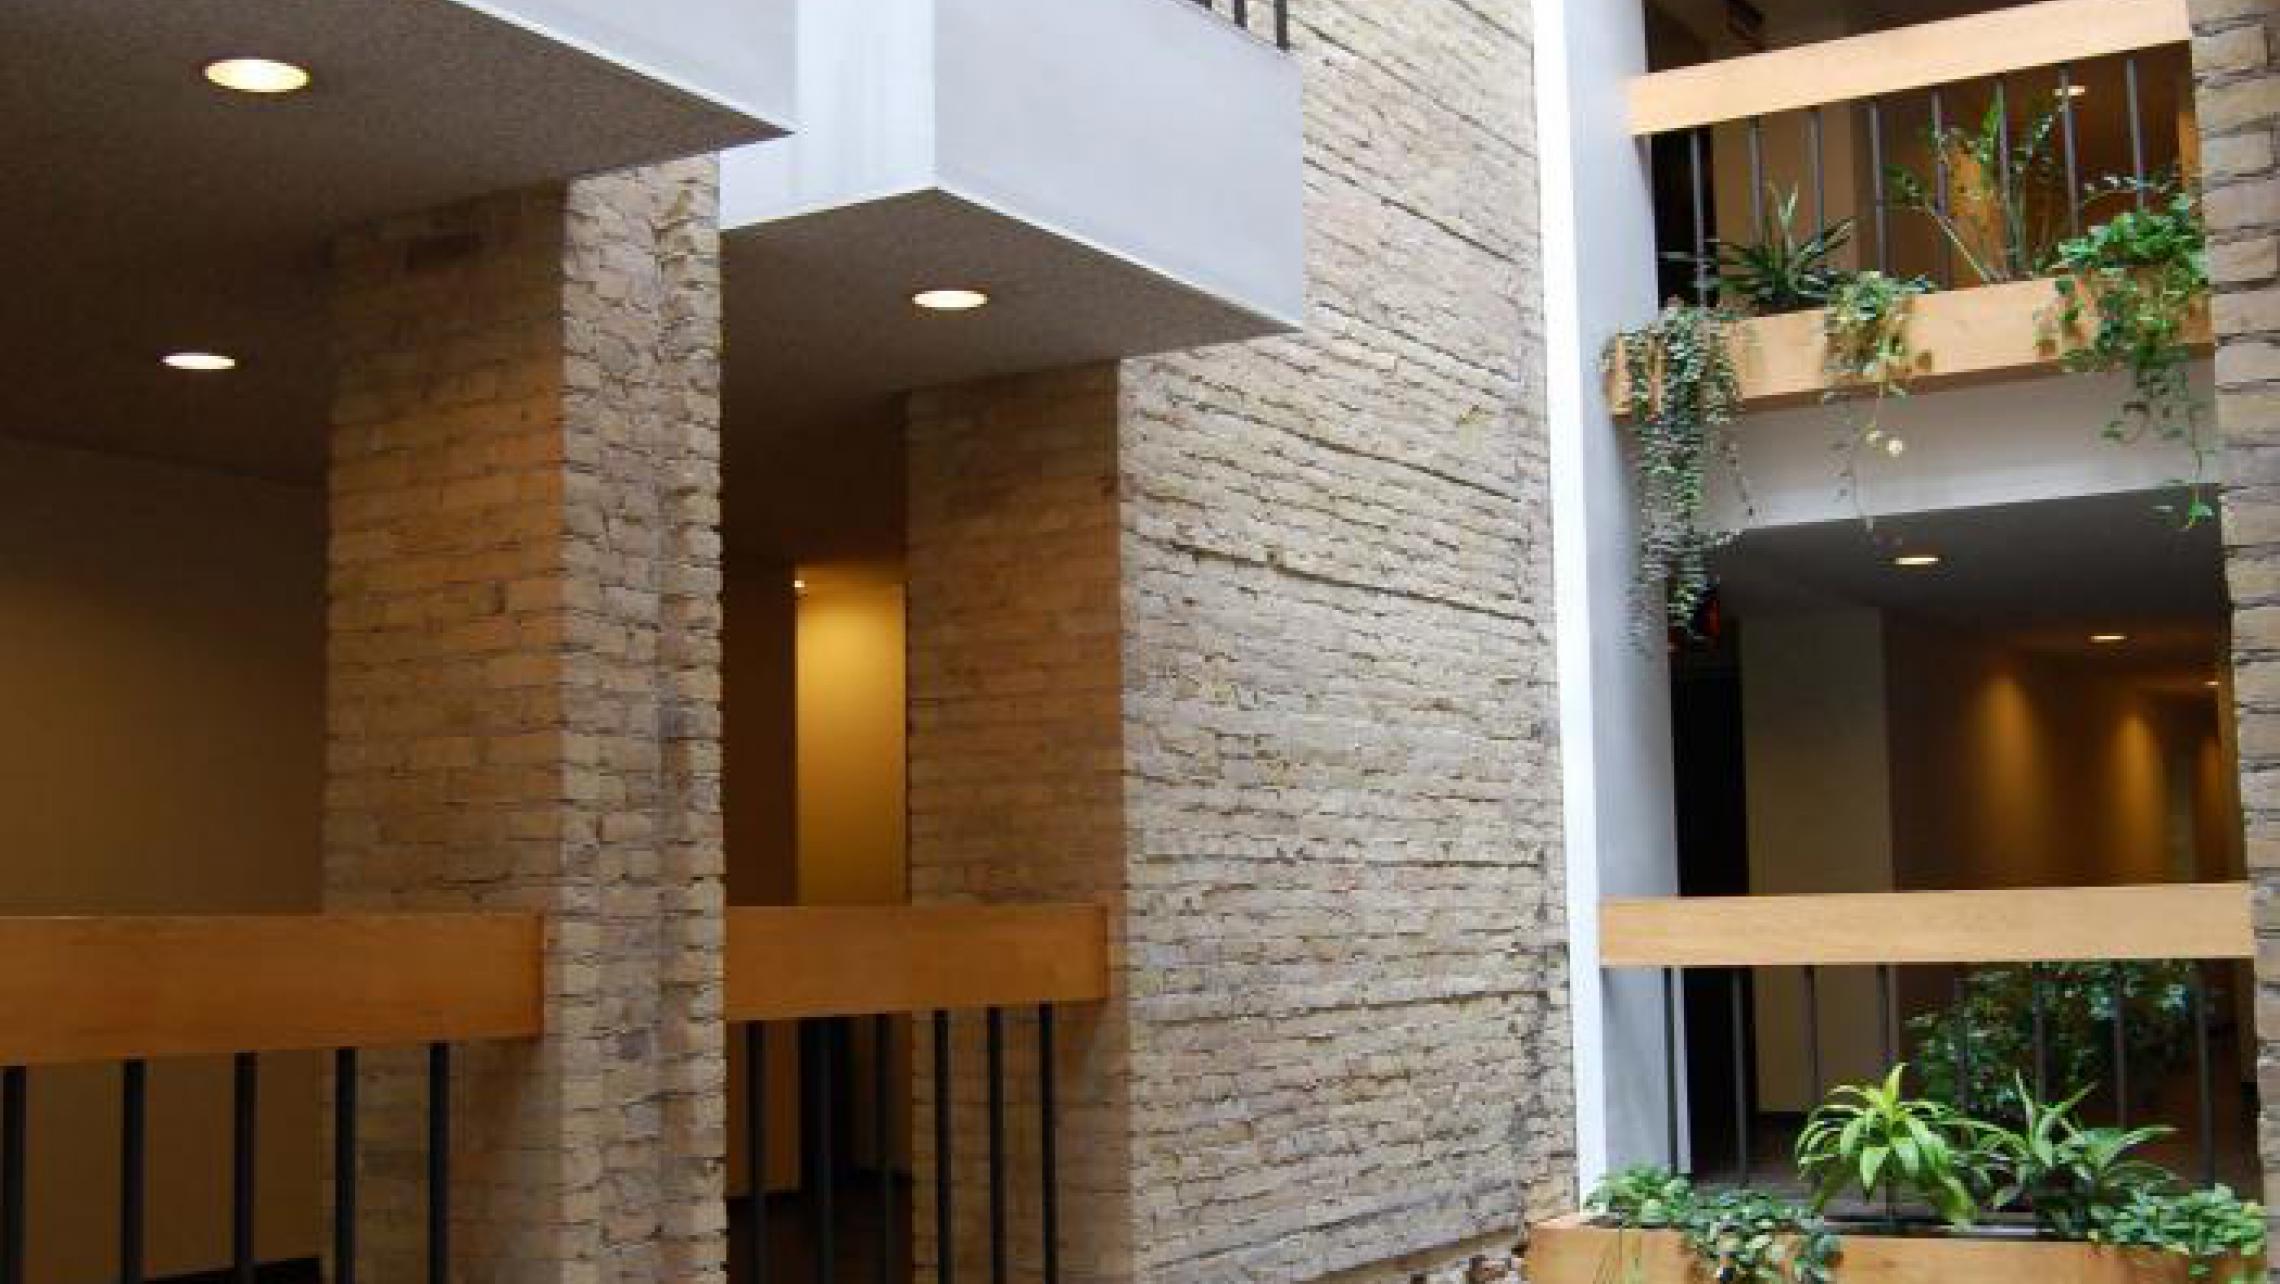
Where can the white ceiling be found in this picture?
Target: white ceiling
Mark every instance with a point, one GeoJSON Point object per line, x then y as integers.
{"type": "Point", "coordinates": [147, 211]}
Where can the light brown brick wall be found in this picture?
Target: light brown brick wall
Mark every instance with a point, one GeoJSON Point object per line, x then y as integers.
{"type": "Point", "coordinates": [523, 702]}
{"type": "Point", "coordinates": [1342, 953]}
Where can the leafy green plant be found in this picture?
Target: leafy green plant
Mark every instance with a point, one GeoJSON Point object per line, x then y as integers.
{"type": "Point", "coordinates": [2067, 1173]}
{"type": "Point", "coordinates": [2002, 188]}
{"type": "Point", "coordinates": [1780, 271]}
{"type": "Point", "coordinates": [1868, 359]}
{"type": "Point", "coordinates": [2138, 277]}
{"type": "Point", "coordinates": [1674, 380]}
{"type": "Point", "coordinates": [1977, 1053]}
{"type": "Point", "coordinates": [1875, 1138]}
{"type": "Point", "coordinates": [1739, 1236]}
{"type": "Point", "coordinates": [2220, 1234]}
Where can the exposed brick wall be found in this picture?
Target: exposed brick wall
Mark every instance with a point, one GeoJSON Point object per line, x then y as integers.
{"type": "Point", "coordinates": [1344, 998]}
{"type": "Point", "coordinates": [2237, 95]}
{"type": "Point", "coordinates": [522, 703]}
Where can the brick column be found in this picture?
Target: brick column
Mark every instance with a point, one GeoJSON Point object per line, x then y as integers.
{"type": "Point", "coordinates": [523, 703]}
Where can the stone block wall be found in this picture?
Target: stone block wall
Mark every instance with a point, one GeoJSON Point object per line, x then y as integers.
{"type": "Point", "coordinates": [522, 706]}
{"type": "Point", "coordinates": [1317, 710]}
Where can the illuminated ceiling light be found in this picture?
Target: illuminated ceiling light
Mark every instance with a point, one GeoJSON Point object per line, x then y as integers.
{"type": "Point", "coordinates": [950, 300]}
{"type": "Point", "coordinates": [199, 362]}
{"type": "Point", "coordinates": [2109, 639]}
{"type": "Point", "coordinates": [2072, 91]}
{"type": "Point", "coordinates": [257, 75]}
{"type": "Point", "coordinates": [2211, 684]}
{"type": "Point", "coordinates": [1917, 559]}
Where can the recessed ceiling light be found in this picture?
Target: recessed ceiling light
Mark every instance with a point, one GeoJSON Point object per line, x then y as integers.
{"type": "Point", "coordinates": [200, 362]}
{"type": "Point", "coordinates": [2109, 639]}
{"type": "Point", "coordinates": [1917, 559]}
{"type": "Point", "coordinates": [2211, 684]}
{"type": "Point", "coordinates": [950, 300]}
{"type": "Point", "coordinates": [257, 75]}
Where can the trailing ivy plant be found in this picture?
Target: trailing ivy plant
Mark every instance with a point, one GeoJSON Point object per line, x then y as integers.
{"type": "Point", "coordinates": [2127, 290]}
{"type": "Point", "coordinates": [1994, 193]}
{"type": "Point", "coordinates": [1675, 381]}
{"type": "Point", "coordinates": [1876, 1139]}
{"type": "Point", "coordinates": [1738, 1236]}
{"type": "Point", "coordinates": [1868, 359]}
{"type": "Point", "coordinates": [1976, 1053]}
{"type": "Point", "coordinates": [2219, 1234]}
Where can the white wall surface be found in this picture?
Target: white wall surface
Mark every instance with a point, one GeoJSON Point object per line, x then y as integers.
{"type": "Point", "coordinates": [1599, 276]}
{"type": "Point", "coordinates": [734, 52]}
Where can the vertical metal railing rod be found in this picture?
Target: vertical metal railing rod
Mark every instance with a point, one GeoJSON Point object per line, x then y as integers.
{"type": "Point", "coordinates": [2204, 1076]}
{"type": "Point", "coordinates": [2137, 127]}
{"type": "Point", "coordinates": [1282, 24]}
{"type": "Point", "coordinates": [1940, 193]}
{"type": "Point", "coordinates": [1961, 1037]}
{"type": "Point", "coordinates": [1818, 170]}
{"type": "Point", "coordinates": [2040, 1032]}
{"type": "Point", "coordinates": [344, 1166]}
{"type": "Point", "coordinates": [945, 1239]}
{"type": "Point", "coordinates": [1737, 985]}
{"type": "Point", "coordinates": [1877, 210]}
{"type": "Point", "coordinates": [1699, 182]}
{"type": "Point", "coordinates": [15, 1092]}
{"type": "Point", "coordinates": [2121, 1047]}
{"type": "Point", "coordinates": [1670, 979]}
{"type": "Point", "coordinates": [756, 1148]}
{"type": "Point", "coordinates": [245, 1097]}
{"type": "Point", "coordinates": [995, 1053]}
{"type": "Point", "coordinates": [1757, 177]}
{"type": "Point", "coordinates": [1887, 1034]}
{"type": "Point", "coordinates": [882, 1154]}
{"type": "Point", "coordinates": [439, 1163]}
{"type": "Point", "coordinates": [825, 1043]}
{"type": "Point", "coordinates": [134, 1119]}
{"type": "Point", "coordinates": [1048, 1144]}
{"type": "Point", "coordinates": [1818, 1081]}
{"type": "Point", "coordinates": [2069, 149]}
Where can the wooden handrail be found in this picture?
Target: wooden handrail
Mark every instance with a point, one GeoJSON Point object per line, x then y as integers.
{"type": "Point", "coordinates": [2035, 925]}
{"type": "Point", "coordinates": [813, 961]}
{"type": "Point", "coordinates": [1913, 57]}
{"type": "Point", "coordinates": [115, 989]}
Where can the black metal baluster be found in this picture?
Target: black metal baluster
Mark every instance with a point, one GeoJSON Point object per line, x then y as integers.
{"type": "Point", "coordinates": [995, 1051]}
{"type": "Point", "coordinates": [245, 1099]}
{"type": "Point", "coordinates": [882, 1155]}
{"type": "Point", "coordinates": [2067, 147]}
{"type": "Point", "coordinates": [1820, 177]}
{"type": "Point", "coordinates": [945, 1240]}
{"type": "Point", "coordinates": [1736, 981]}
{"type": "Point", "coordinates": [134, 1118]}
{"type": "Point", "coordinates": [2137, 127]}
{"type": "Point", "coordinates": [1757, 177]}
{"type": "Point", "coordinates": [1048, 1143]}
{"type": "Point", "coordinates": [2203, 1075]}
{"type": "Point", "coordinates": [1887, 1036]}
{"type": "Point", "coordinates": [1876, 185]}
{"type": "Point", "coordinates": [439, 1163]}
{"type": "Point", "coordinates": [826, 1155]}
{"type": "Point", "coordinates": [1813, 1030]}
{"type": "Point", "coordinates": [2121, 1046]}
{"type": "Point", "coordinates": [1962, 1038]}
{"type": "Point", "coordinates": [1670, 1064]}
{"type": "Point", "coordinates": [1243, 14]}
{"type": "Point", "coordinates": [344, 1166]}
{"type": "Point", "coordinates": [2041, 1034]}
{"type": "Point", "coordinates": [15, 1092]}
{"type": "Point", "coordinates": [1282, 24]}
{"type": "Point", "coordinates": [756, 1146]}
{"type": "Point", "coordinates": [1940, 192]}
{"type": "Point", "coordinates": [1702, 281]}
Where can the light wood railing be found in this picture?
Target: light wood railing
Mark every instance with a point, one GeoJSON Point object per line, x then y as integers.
{"type": "Point", "coordinates": [124, 988]}
{"type": "Point", "coordinates": [1915, 57]}
{"type": "Point", "coordinates": [2038, 925]}
{"type": "Point", "coordinates": [813, 961]}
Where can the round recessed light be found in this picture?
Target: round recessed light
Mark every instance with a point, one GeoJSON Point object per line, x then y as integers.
{"type": "Point", "coordinates": [199, 362]}
{"type": "Point", "coordinates": [257, 75]}
{"type": "Point", "coordinates": [1917, 559]}
{"type": "Point", "coordinates": [2109, 639]}
{"type": "Point", "coordinates": [950, 300]}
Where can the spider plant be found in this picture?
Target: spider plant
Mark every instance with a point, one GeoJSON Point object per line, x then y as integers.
{"type": "Point", "coordinates": [1780, 271]}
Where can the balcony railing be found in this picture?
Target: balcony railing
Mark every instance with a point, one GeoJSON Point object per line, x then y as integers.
{"type": "Point", "coordinates": [2071, 91]}
{"type": "Point", "coordinates": [1275, 17]}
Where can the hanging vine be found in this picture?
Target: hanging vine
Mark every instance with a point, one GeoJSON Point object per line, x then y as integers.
{"type": "Point", "coordinates": [1868, 360]}
{"type": "Point", "coordinates": [1675, 382]}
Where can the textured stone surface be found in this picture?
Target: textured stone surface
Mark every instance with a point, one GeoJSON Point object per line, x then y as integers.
{"type": "Point", "coordinates": [522, 709]}
{"type": "Point", "coordinates": [1341, 1048]}
{"type": "Point", "coordinates": [2237, 89]}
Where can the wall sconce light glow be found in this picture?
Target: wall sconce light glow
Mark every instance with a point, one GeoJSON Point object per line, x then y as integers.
{"type": "Point", "coordinates": [1913, 560]}
{"type": "Point", "coordinates": [950, 300]}
{"type": "Point", "coordinates": [2109, 639]}
{"type": "Point", "coordinates": [2073, 91]}
{"type": "Point", "coordinates": [199, 362]}
{"type": "Point", "coordinates": [257, 75]}
{"type": "Point", "coordinates": [799, 586]}
{"type": "Point", "coordinates": [2212, 684]}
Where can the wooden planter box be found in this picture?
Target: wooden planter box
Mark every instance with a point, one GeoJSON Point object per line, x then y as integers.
{"type": "Point", "coordinates": [1572, 1251]}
